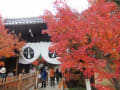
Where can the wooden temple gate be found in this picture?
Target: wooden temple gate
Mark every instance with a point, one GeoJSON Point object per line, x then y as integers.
{"type": "Point", "coordinates": [21, 82]}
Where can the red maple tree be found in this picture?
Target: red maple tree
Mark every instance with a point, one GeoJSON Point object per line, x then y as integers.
{"type": "Point", "coordinates": [9, 43]}
{"type": "Point", "coordinates": [88, 42]}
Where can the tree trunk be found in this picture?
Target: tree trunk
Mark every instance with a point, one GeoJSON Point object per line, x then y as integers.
{"type": "Point", "coordinates": [117, 84]}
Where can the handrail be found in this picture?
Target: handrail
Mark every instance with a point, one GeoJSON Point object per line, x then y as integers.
{"type": "Point", "coordinates": [21, 82]}
{"type": "Point", "coordinates": [9, 81]}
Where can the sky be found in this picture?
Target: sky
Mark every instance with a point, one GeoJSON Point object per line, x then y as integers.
{"type": "Point", "coordinates": [34, 8]}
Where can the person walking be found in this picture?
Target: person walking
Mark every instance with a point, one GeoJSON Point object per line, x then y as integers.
{"type": "Point", "coordinates": [60, 74]}
{"type": "Point", "coordinates": [23, 71]}
{"type": "Point", "coordinates": [57, 75]}
{"type": "Point", "coordinates": [43, 77]}
{"type": "Point", "coordinates": [2, 70]}
{"type": "Point", "coordinates": [52, 76]}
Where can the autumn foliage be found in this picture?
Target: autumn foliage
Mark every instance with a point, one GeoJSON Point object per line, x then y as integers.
{"type": "Point", "coordinates": [88, 42]}
{"type": "Point", "coordinates": [9, 43]}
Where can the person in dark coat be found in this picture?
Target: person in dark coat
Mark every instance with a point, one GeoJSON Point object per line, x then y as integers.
{"type": "Point", "coordinates": [57, 75]}
{"type": "Point", "coordinates": [43, 78]}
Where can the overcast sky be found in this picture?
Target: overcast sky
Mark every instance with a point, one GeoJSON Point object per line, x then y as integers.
{"type": "Point", "coordinates": [34, 8]}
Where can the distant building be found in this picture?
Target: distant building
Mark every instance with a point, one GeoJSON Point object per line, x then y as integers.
{"type": "Point", "coordinates": [36, 43]}
{"type": "Point", "coordinates": [29, 28]}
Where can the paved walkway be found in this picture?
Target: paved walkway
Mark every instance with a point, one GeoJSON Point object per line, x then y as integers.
{"type": "Point", "coordinates": [48, 87]}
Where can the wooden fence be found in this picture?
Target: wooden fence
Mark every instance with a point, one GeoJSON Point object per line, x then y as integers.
{"type": "Point", "coordinates": [21, 82]}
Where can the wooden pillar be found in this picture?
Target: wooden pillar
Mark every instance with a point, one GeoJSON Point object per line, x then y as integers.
{"type": "Point", "coordinates": [19, 81]}
{"type": "Point", "coordinates": [36, 79]}
{"type": "Point", "coordinates": [17, 66]}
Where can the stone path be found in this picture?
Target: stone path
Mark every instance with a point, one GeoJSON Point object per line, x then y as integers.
{"type": "Point", "coordinates": [48, 87]}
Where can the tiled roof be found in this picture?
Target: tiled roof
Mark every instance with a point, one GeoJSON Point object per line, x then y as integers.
{"type": "Point", "coordinates": [20, 21]}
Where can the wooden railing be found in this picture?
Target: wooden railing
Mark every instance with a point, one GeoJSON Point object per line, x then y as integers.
{"type": "Point", "coordinates": [21, 82]}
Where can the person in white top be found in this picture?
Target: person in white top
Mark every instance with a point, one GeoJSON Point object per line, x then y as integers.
{"type": "Point", "coordinates": [3, 72]}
